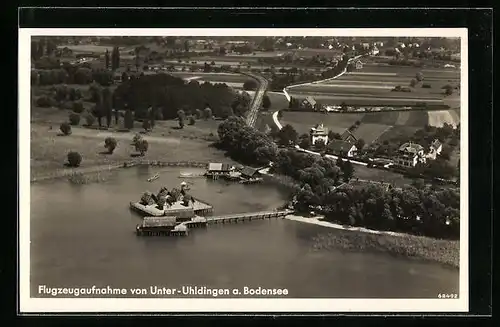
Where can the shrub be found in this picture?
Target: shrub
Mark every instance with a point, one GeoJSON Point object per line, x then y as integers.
{"type": "Point", "coordinates": [250, 85]}
{"type": "Point", "coordinates": [78, 107]}
{"type": "Point", "coordinates": [45, 101]}
{"type": "Point", "coordinates": [137, 138]}
{"type": "Point", "coordinates": [142, 146]}
{"type": "Point", "coordinates": [65, 128]}
{"type": "Point", "coordinates": [110, 144]}
{"type": "Point", "coordinates": [207, 113]}
{"type": "Point", "coordinates": [146, 125]}
{"type": "Point", "coordinates": [89, 119]}
{"type": "Point", "coordinates": [74, 119]}
{"type": "Point", "coordinates": [426, 86]}
{"type": "Point", "coordinates": [191, 120]}
{"type": "Point", "coordinates": [74, 159]}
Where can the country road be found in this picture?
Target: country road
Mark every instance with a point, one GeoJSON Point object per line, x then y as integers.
{"type": "Point", "coordinates": [257, 100]}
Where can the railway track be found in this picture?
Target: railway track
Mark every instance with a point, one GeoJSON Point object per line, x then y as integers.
{"type": "Point", "coordinates": [257, 99]}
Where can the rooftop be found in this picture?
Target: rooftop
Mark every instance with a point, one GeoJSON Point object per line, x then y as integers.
{"type": "Point", "coordinates": [159, 222]}
{"type": "Point", "coordinates": [436, 144]}
{"type": "Point", "coordinates": [339, 145]}
{"type": "Point", "coordinates": [218, 167]}
{"type": "Point", "coordinates": [249, 171]}
{"type": "Point", "coordinates": [411, 147]}
{"type": "Point", "coordinates": [311, 100]}
{"type": "Point", "coordinates": [319, 129]}
{"type": "Point", "coordinates": [347, 134]}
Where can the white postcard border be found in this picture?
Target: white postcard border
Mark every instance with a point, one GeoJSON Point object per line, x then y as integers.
{"type": "Point", "coordinates": [38, 305]}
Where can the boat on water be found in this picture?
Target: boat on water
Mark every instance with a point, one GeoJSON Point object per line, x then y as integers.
{"type": "Point", "coordinates": [154, 177]}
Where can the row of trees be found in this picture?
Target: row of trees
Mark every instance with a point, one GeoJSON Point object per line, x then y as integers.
{"type": "Point", "coordinates": [170, 94]}
{"type": "Point", "coordinates": [71, 75]}
{"type": "Point", "coordinates": [423, 211]}
{"type": "Point", "coordinates": [42, 47]}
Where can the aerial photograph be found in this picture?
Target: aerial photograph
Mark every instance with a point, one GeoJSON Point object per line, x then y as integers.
{"type": "Point", "coordinates": [285, 167]}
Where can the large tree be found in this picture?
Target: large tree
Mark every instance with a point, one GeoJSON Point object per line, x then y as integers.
{"type": "Point", "coordinates": [107, 59]}
{"type": "Point", "coordinates": [115, 58]}
{"type": "Point", "coordinates": [287, 135]}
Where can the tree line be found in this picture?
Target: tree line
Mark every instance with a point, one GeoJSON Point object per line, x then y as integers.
{"type": "Point", "coordinates": [169, 94]}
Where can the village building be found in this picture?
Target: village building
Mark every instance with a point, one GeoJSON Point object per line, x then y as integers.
{"type": "Point", "coordinates": [319, 132]}
{"type": "Point", "coordinates": [249, 172]}
{"type": "Point", "coordinates": [309, 103]}
{"type": "Point", "coordinates": [218, 169]}
{"type": "Point", "coordinates": [342, 148]}
{"type": "Point", "coordinates": [435, 149]}
{"type": "Point", "coordinates": [359, 64]}
{"type": "Point", "coordinates": [410, 154]}
{"type": "Point", "coordinates": [348, 136]}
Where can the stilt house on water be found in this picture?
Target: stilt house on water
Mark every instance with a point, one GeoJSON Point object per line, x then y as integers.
{"type": "Point", "coordinates": [250, 175]}
{"type": "Point", "coordinates": [216, 170]}
{"type": "Point", "coordinates": [161, 226]}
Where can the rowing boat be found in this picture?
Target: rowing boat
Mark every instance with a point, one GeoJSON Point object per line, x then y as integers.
{"type": "Point", "coordinates": [152, 178]}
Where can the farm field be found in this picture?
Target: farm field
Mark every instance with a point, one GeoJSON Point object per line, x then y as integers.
{"type": "Point", "coordinates": [438, 118]}
{"type": "Point", "coordinates": [303, 121]}
{"type": "Point", "coordinates": [373, 84]}
{"type": "Point", "coordinates": [375, 126]}
{"type": "Point", "coordinates": [354, 99]}
{"type": "Point", "coordinates": [408, 71]}
{"type": "Point", "coordinates": [370, 89]}
{"type": "Point", "coordinates": [84, 48]}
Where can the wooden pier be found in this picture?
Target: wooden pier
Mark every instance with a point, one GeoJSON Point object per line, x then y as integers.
{"type": "Point", "coordinates": [241, 217]}
{"type": "Point", "coordinates": [167, 226]}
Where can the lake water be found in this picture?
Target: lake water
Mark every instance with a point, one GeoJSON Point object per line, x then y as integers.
{"type": "Point", "coordinates": [84, 235]}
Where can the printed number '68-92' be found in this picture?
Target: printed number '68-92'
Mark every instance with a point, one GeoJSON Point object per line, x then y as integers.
{"type": "Point", "coordinates": [448, 296]}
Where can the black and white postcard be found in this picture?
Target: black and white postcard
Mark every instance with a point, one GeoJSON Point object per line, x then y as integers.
{"type": "Point", "coordinates": [243, 170]}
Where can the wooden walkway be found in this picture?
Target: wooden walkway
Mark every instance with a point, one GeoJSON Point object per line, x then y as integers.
{"type": "Point", "coordinates": [240, 217]}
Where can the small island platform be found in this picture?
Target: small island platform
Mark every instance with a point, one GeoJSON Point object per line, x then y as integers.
{"type": "Point", "coordinates": [200, 208]}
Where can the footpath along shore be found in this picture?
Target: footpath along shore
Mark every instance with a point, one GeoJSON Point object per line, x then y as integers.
{"type": "Point", "coordinates": [318, 220]}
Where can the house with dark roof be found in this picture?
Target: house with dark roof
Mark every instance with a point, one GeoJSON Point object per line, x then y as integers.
{"type": "Point", "coordinates": [342, 148]}
{"type": "Point", "coordinates": [435, 149]}
{"type": "Point", "coordinates": [249, 172]}
{"type": "Point", "coordinates": [309, 103]}
{"type": "Point", "coordinates": [348, 136]}
{"type": "Point", "coordinates": [410, 154]}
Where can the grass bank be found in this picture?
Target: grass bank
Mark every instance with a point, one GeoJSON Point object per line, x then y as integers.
{"type": "Point", "coordinates": [445, 252]}
{"type": "Point", "coordinates": [166, 143]}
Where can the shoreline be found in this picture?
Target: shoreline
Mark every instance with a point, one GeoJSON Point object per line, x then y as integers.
{"type": "Point", "coordinates": [68, 172]}
{"type": "Point", "coordinates": [360, 239]}
{"type": "Point", "coordinates": [318, 220]}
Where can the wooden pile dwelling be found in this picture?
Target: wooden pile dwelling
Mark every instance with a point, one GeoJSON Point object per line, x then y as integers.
{"type": "Point", "coordinates": [156, 226]}
{"type": "Point", "coordinates": [217, 170]}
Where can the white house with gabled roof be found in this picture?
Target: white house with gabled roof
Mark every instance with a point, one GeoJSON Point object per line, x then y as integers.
{"type": "Point", "coordinates": [410, 154]}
